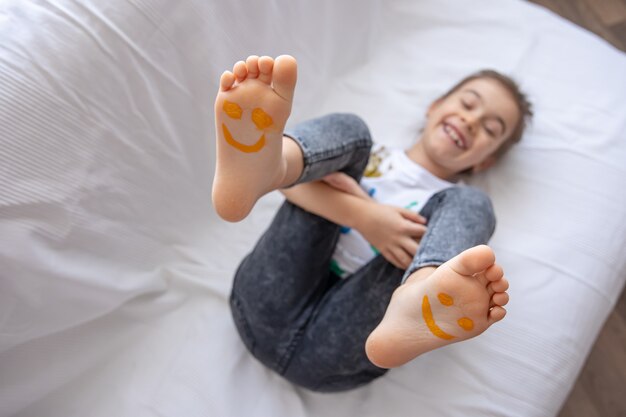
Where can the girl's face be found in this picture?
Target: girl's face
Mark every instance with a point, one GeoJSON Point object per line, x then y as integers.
{"type": "Point", "coordinates": [464, 129]}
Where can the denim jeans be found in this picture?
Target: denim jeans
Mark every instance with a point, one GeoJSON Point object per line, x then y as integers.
{"type": "Point", "coordinates": [294, 314]}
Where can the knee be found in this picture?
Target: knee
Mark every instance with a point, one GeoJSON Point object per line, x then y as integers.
{"type": "Point", "coordinates": [469, 195]}
{"type": "Point", "coordinates": [331, 379]}
{"type": "Point", "coordinates": [470, 198]}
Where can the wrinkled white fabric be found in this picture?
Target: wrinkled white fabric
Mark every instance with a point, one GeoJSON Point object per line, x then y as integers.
{"type": "Point", "coordinates": [115, 271]}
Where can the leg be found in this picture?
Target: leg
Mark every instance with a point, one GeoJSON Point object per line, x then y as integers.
{"type": "Point", "coordinates": [331, 354]}
{"type": "Point", "coordinates": [458, 219]}
{"type": "Point", "coordinates": [459, 299]}
{"type": "Point", "coordinates": [279, 284]}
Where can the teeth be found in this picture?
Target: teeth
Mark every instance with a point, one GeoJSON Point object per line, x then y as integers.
{"type": "Point", "coordinates": [455, 137]}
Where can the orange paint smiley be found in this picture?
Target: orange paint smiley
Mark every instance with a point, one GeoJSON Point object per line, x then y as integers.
{"type": "Point", "coordinates": [261, 119]}
{"type": "Point", "coordinates": [464, 322]}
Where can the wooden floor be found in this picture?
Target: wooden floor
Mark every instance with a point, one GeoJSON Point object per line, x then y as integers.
{"type": "Point", "coordinates": [606, 18]}
{"type": "Point", "coordinates": [601, 387]}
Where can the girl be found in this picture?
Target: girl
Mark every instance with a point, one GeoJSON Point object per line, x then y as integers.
{"type": "Point", "coordinates": [348, 281]}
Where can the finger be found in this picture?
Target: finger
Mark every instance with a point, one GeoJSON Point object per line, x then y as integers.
{"type": "Point", "coordinates": [415, 230]}
{"type": "Point", "coordinates": [413, 216]}
{"type": "Point", "coordinates": [389, 256]}
{"type": "Point", "coordinates": [410, 246]}
{"type": "Point", "coordinates": [403, 257]}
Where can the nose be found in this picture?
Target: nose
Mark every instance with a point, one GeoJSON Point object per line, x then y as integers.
{"type": "Point", "coordinates": [471, 119]}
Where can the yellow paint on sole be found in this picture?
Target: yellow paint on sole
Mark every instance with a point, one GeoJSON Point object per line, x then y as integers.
{"type": "Point", "coordinates": [232, 110]}
{"type": "Point", "coordinates": [241, 146]}
{"type": "Point", "coordinates": [261, 119]}
{"type": "Point", "coordinates": [430, 321]}
{"type": "Point", "coordinates": [466, 323]}
{"type": "Point", "coordinates": [445, 299]}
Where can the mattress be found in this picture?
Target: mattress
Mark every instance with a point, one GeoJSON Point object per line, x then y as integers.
{"type": "Point", "coordinates": [115, 270]}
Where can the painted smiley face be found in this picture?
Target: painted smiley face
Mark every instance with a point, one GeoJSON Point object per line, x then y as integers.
{"type": "Point", "coordinates": [464, 322]}
{"type": "Point", "coordinates": [261, 120]}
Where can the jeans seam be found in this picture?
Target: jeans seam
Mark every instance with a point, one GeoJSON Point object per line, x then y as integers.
{"type": "Point", "coordinates": [426, 246]}
{"type": "Point", "coordinates": [313, 158]}
{"type": "Point", "coordinates": [283, 362]}
{"type": "Point", "coordinates": [243, 324]}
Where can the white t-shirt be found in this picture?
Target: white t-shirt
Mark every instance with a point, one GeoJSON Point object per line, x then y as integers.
{"type": "Point", "coordinates": [390, 178]}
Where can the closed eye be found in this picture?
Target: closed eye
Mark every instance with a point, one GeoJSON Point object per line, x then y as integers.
{"type": "Point", "coordinates": [490, 132]}
{"type": "Point", "coordinates": [493, 128]}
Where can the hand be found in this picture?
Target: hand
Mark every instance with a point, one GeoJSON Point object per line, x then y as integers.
{"type": "Point", "coordinates": [394, 231]}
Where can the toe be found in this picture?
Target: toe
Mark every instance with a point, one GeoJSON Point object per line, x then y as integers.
{"type": "Point", "coordinates": [227, 80]}
{"type": "Point", "coordinates": [494, 272]}
{"type": "Point", "coordinates": [482, 279]}
{"type": "Point", "coordinates": [496, 314]}
{"type": "Point", "coordinates": [284, 76]}
{"type": "Point", "coordinates": [240, 70]}
{"type": "Point", "coordinates": [500, 285]}
{"type": "Point", "coordinates": [252, 63]}
{"type": "Point", "coordinates": [473, 260]}
{"type": "Point", "coordinates": [499, 299]}
{"type": "Point", "coordinates": [266, 64]}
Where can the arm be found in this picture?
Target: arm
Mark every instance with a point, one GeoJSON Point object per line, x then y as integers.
{"type": "Point", "coordinates": [330, 203]}
{"type": "Point", "coordinates": [393, 231]}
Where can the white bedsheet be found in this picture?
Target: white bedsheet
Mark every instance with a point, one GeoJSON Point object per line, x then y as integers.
{"type": "Point", "coordinates": [115, 271]}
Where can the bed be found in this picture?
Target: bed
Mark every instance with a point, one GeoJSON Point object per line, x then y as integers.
{"type": "Point", "coordinates": [115, 271]}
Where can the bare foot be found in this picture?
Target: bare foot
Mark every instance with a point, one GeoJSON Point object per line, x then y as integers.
{"type": "Point", "coordinates": [251, 109]}
{"type": "Point", "coordinates": [458, 301]}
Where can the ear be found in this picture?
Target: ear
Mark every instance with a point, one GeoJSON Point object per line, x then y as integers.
{"type": "Point", "coordinates": [484, 165]}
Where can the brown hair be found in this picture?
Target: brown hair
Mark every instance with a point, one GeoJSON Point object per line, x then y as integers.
{"type": "Point", "coordinates": [523, 105]}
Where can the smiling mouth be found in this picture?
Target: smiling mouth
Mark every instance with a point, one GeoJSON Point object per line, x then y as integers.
{"type": "Point", "coordinates": [430, 321]}
{"type": "Point", "coordinates": [455, 135]}
{"type": "Point", "coordinates": [256, 147]}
